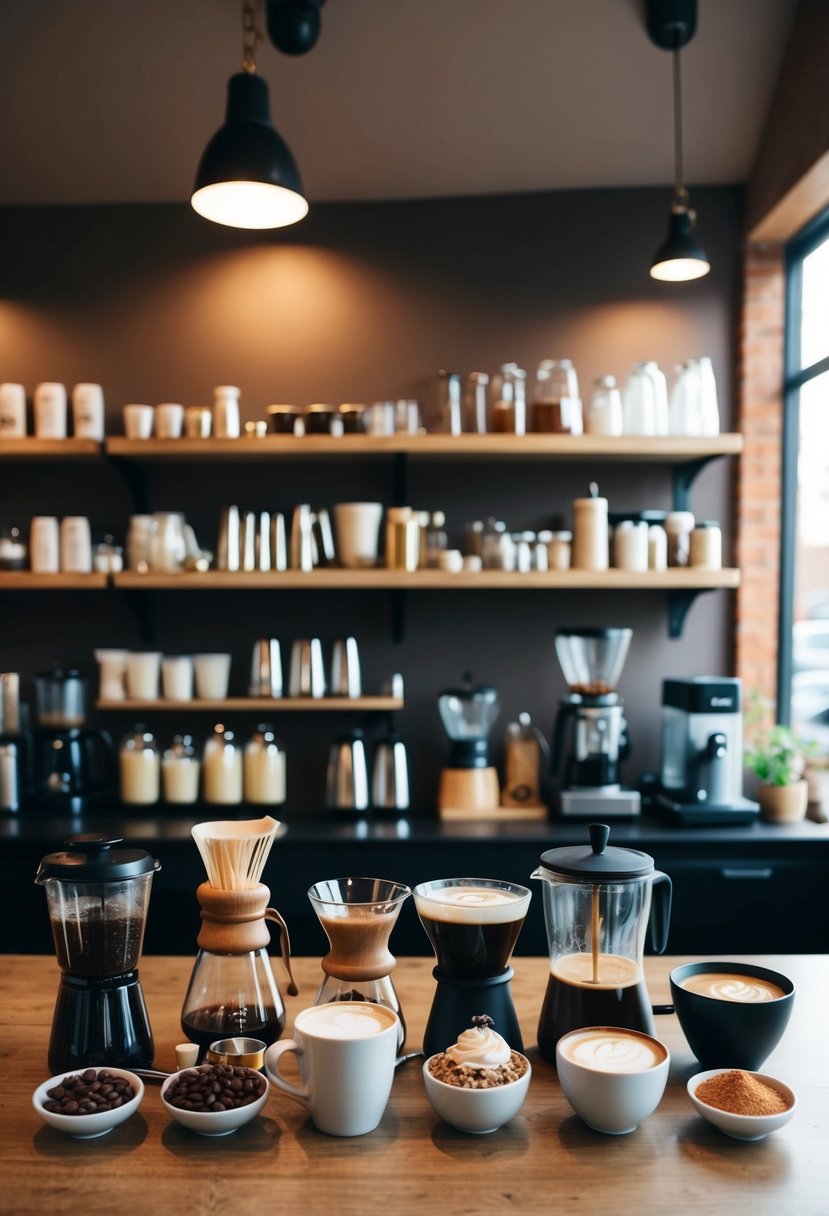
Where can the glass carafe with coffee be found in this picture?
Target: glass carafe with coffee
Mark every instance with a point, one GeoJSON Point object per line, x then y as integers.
{"type": "Point", "coordinates": [97, 894]}
{"type": "Point", "coordinates": [232, 990]}
{"type": "Point", "coordinates": [473, 925]}
{"type": "Point", "coordinates": [358, 915]}
{"type": "Point", "coordinates": [597, 901]}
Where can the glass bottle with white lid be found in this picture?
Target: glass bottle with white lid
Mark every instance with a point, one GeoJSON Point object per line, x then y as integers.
{"type": "Point", "coordinates": [180, 769]}
{"type": "Point", "coordinates": [139, 767]}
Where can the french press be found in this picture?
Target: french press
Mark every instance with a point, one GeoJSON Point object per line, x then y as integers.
{"type": "Point", "coordinates": [97, 895]}
{"type": "Point", "coordinates": [597, 901]}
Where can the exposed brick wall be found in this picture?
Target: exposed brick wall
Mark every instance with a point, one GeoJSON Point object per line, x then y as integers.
{"type": "Point", "coordinates": [760, 379]}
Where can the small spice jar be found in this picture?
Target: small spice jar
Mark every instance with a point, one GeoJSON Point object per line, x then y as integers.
{"type": "Point", "coordinates": [679, 525]}
{"type": "Point", "coordinates": [318, 419]}
{"type": "Point", "coordinates": [657, 547]}
{"type": "Point", "coordinates": [706, 545]}
{"type": "Point", "coordinates": [282, 418]}
{"type": "Point", "coordinates": [558, 550]}
{"type": "Point", "coordinates": [353, 417]}
{"type": "Point", "coordinates": [630, 546]}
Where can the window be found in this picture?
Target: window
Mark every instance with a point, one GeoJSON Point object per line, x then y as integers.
{"type": "Point", "coordinates": [803, 662]}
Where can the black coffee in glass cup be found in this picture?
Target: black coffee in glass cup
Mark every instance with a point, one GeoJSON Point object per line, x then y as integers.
{"type": "Point", "coordinates": [472, 923]}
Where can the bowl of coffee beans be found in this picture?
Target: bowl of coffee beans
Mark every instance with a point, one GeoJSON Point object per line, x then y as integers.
{"type": "Point", "coordinates": [214, 1099]}
{"type": "Point", "coordinates": [88, 1103]}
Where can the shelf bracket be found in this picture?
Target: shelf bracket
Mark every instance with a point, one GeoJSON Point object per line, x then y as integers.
{"type": "Point", "coordinates": [679, 604]}
{"type": "Point", "coordinates": [397, 615]}
{"type": "Point", "coordinates": [683, 477]}
{"type": "Point", "coordinates": [144, 607]}
{"type": "Point", "coordinates": [136, 477]}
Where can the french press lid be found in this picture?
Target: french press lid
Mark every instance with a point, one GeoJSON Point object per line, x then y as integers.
{"type": "Point", "coordinates": [596, 862]}
{"type": "Point", "coordinates": [92, 857]}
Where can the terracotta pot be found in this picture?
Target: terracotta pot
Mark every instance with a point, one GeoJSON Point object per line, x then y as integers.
{"type": "Point", "coordinates": [783, 803]}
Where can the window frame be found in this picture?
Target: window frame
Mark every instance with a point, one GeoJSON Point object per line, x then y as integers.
{"type": "Point", "coordinates": [794, 377]}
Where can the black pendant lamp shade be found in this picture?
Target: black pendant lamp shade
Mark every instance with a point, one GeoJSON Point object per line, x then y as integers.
{"type": "Point", "coordinates": [680, 257]}
{"type": "Point", "coordinates": [247, 177]}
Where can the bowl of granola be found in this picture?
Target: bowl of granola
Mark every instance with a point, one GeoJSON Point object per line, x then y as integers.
{"type": "Point", "coordinates": [479, 1083]}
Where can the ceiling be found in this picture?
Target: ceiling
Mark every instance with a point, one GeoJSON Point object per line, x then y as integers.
{"type": "Point", "coordinates": [113, 100]}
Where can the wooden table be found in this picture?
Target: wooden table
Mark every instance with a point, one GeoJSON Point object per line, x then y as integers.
{"type": "Point", "coordinates": [545, 1161]}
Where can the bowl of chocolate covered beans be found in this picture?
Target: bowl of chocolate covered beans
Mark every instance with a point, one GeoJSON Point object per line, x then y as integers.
{"type": "Point", "coordinates": [88, 1103]}
{"type": "Point", "coordinates": [214, 1099]}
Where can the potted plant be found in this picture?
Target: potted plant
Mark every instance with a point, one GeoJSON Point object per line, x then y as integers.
{"type": "Point", "coordinates": [778, 759]}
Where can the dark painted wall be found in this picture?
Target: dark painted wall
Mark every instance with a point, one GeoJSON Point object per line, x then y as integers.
{"type": "Point", "coordinates": [364, 301]}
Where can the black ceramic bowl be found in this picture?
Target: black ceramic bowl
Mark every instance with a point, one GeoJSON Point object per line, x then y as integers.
{"type": "Point", "coordinates": [728, 1033]}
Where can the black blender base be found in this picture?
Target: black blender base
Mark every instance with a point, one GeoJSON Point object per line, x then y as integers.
{"type": "Point", "coordinates": [99, 1023]}
{"type": "Point", "coordinates": [457, 1001]}
{"type": "Point", "coordinates": [689, 815]}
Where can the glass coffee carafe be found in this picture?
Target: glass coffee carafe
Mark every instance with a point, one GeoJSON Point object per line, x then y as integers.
{"type": "Point", "coordinates": [597, 901]}
{"type": "Point", "coordinates": [358, 915]}
{"type": "Point", "coordinates": [97, 895]}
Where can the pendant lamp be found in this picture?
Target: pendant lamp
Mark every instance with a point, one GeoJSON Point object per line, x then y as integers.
{"type": "Point", "coordinates": [671, 26]}
{"type": "Point", "coordinates": [247, 177]}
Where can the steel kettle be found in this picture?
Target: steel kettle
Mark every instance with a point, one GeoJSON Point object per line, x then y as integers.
{"type": "Point", "coordinates": [390, 776]}
{"type": "Point", "coordinates": [346, 783]}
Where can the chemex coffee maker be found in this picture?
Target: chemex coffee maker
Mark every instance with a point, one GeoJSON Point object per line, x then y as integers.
{"type": "Point", "coordinates": [97, 894]}
{"type": "Point", "coordinates": [468, 782]}
{"type": "Point", "coordinates": [473, 925]}
{"type": "Point", "coordinates": [701, 778]}
{"type": "Point", "coordinates": [358, 915]}
{"type": "Point", "coordinates": [71, 763]}
{"type": "Point", "coordinates": [597, 901]}
{"type": "Point", "coordinates": [590, 734]}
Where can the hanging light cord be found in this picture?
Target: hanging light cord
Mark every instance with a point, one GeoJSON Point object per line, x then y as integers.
{"type": "Point", "coordinates": [251, 36]}
{"type": "Point", "coordinates": [680, 202]}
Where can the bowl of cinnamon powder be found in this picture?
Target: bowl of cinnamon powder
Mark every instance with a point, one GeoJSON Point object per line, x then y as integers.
{"type": "Point", "coordinates": [744, 1105]}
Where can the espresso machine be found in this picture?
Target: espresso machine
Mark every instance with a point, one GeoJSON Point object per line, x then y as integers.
{"type": "Point", "coordinates": [97, 894]}
{"type": "Point", "coordinates": [590, 733]}
{"type": "Point", "coordinates": [71, 763]}
{"type": "Point", "coordinates": [472, 925]}
{"type": "Point", "coordinates": [701, 777]}
{"type": "Point", "coordinates": [598, 901]}
{"type": "Point", "coordinates": [468, 782]}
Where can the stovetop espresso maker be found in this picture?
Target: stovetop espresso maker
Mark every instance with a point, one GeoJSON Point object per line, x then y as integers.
{"type": "Point", "coordinates": [597, 901]}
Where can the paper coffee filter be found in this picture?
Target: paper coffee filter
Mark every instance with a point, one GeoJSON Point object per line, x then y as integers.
{"type": "Point", "coordinates": [234, 851]}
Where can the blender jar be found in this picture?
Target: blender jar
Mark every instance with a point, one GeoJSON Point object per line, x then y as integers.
{"type": "Point", "coordinates": [61, 699]}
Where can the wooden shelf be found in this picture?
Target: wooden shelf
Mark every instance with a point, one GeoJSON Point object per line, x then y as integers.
{"type": "Point", "coordinates": [630, 448]}
{"type": "Point", "coordinates": [687, 579]}
{"type": "Point", "coordinates": [49, 449]}
{"type": "Point", "coordinates": [25, 580]}
{"type": "Point", "coordinates": [368, 704]}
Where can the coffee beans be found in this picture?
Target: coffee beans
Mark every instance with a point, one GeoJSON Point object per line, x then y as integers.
{"type": "Point", "coordinates": [88, 1093]}
{"type": "Point", "coordinates": [215, 1087]}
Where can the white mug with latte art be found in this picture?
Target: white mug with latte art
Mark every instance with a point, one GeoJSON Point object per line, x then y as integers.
{"type": "Point", "coordinates": [612, 1077]}
{"type": "Point", "coordinates": [347, 1054]}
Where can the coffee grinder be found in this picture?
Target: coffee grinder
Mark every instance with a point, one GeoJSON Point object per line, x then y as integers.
{"type": "Point", "coordinates": [97, 895]}
{"type": "Point", "coordinates": [72, 763]}
{"type": "Point", "coordinates": [468, 782]}
{"type": "Point", "coordinates": [701, 778]}
{"type": "Point", "coordinates": [358, 915]}
{"type": "Point", "coordinates": [590, 734]}
{"type": "Point", "coordinates": [473, 925]}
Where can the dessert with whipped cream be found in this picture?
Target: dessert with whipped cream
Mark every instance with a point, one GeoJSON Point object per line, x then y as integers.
{"type": "Point", "coordinates": [480, 1059]}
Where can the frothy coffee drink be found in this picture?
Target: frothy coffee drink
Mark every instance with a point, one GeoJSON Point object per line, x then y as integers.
{"type": "Point", "coordinates": [608, 1050]}
{"type": "Point", "coordinates": [617, 997]}
{"type": "Point", "coordinates": [472, 929]}
{"type": "Point", "coordinates": [612, 970]}
{"type": "Point", "coordinates": [359, 944]}
{"type": "Point", "coordinates": [345, 1021]}
{"type": "Point", "coordinates": [729, 986]}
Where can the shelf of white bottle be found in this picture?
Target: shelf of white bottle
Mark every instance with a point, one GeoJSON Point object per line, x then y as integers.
{"type": "Point", "coordinates": [50, 449]}
{"type": "Point", "coordinates": [624, 448]}
{"type": "Point", "coordinates": [366, 704]}
{"type": "Point", "coordinates": [26, 580]}
{"type": "Point", "coordinates": [328, 578]}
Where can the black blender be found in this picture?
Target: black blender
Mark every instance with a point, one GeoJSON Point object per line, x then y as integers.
{"type": "Point", "coordinates": [97, 894]}
{"type": "Point", "coordinates": [473, 925]}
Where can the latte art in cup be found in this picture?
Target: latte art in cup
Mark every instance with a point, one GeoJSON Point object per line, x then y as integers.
{"type": "Point", "coordinates": [346, 1021]}
{"type": "Point", "coordinates": [725, 986]}
{"type": "Point", "coordinates": [608, 1050]}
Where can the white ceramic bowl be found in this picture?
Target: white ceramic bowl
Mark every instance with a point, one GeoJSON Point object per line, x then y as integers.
{"type": "Point", "coordinates": [476, 1110]}
{"type": "Point", "coordinates": [742, 1127]}
{"type": "Point", "coordinates": [610, 1101]}
{"type": "Point", "coordinates": [213, 1123]}
{"type": "Point", "coordinates": [86, 1127]}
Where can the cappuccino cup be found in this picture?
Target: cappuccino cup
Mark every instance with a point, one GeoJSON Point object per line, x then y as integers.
{"type": "Point", "coordinates": [612, 1077]}
{"type": "Point", "coordinates": [347, 1053]}
{"type": "Point", "coordinates": [732, 1014]}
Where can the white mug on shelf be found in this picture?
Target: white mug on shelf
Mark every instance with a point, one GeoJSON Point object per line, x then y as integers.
{"type": "Point", "coordinates": [169, 420]}
{"type": "Point", "coordinates": [88, 412]}
{"type": "Point", "coordinates": [177, 677]}
{"type": "Point", "coordinates": [50, 410]}
{"type": "Point", "coordinates": [138, 421]}
{"type": "Point", "coordinates": [143, 673]}
{"type": "Point", "coordinates": [12, 411]}
{"type": "Point", "coordinates": [358, 533]}
{"type": "Point", "coordinates": [44, 545]}
{"type": "Point", "coordinates": [212, 676]}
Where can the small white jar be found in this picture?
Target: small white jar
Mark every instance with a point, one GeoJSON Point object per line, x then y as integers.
{"type": "Point", "coordinates": [706, 545]}
{"type": "Point", "coordinates": [630, 546]}
{"type": "Point", "coordinates": [75, 545]}
{"type": "Point", "coordinates": [50, 410]}
{"type": "Point", "coordinates": [88, 412]}
{"type": "Point", "coordinates": [226, 422]}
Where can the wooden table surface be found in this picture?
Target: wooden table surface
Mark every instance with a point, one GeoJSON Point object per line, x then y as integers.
{"type": "Point", "coordinates": [546, 1160]}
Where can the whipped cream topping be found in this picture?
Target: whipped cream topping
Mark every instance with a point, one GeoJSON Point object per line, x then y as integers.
{"type": "Point", "coordinates": [480, 1047]}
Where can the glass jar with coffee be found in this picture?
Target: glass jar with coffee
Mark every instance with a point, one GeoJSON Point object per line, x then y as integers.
{"type": "Point", "coordinates": [557, 405]}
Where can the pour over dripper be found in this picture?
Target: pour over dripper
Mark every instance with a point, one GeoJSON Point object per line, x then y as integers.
{"type": "Point", "coordinates": [232, 990]}
{"type": "Point", "coordinates": [358, 915]}
{"type": "Point", "coordinates": [592, 659]}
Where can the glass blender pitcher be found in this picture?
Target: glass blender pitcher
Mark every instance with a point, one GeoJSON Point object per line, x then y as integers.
{"type": "Point", "coordinates": [597, 901]}
{"type": "Point", "coordinates": [468, 781]}
{"type": "Point", "coordinates": [358, 915]}
{"type": "Point", "coordinates": [97, 895]}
